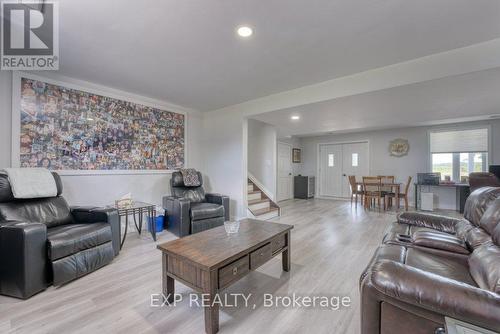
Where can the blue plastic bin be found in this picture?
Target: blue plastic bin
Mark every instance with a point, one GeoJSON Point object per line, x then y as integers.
{"type": "Point", "coordinates": [158, 221]}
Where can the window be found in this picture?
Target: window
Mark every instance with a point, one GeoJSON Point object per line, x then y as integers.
{"type": "Point", "coordinates": [331, 160]}
{"type": "Point", "coordinates": [456, 154]}
{"type": "Point", "coordinates": [354, 159]}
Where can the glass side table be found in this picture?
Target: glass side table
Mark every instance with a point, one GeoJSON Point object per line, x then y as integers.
{"type": "Point", "coordinates": [140, 209]}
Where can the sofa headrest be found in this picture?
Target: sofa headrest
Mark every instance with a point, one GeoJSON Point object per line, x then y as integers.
{"type": "Point", "coordinates": [178, 180]}
{"type": "Point", "coordinates": [478, 201]}
{"type": "Point", "coordinates": [483, 179]}
{"type": "Point", "coordinates": [6, 191]}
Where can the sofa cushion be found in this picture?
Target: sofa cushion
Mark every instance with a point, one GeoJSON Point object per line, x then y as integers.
{"type": "Point", "coordinates": [72, 238]}
{"type": "Point", "coordinates": [206, 224]}
{"type": "Point", "coordinates": [81, 263]}
{"type": "Point", "coordinates": [491, 217]}
{"type": "Point", "coordinates": [452, 266]}
{"type": "Point", "coordinates": [201, 211]}
{"type": "Point", "coordinates": [477, 237]}
{"type": "Point", "coordinates": [440, 240]}
{"type": "Point", "coordinates": [51, 211]}
{"type": "Point", "coordinates": [478, 202]}
{"type": "Point", "coordinates": [484, 267]}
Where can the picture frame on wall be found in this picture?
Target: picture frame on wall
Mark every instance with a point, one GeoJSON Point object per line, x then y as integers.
{"type": "Point", "coordinates": [296, 155]}
{"type": "Point", "coordinates": [77, 128]}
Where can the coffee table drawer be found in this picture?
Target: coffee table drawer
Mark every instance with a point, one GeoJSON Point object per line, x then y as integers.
{"type": "Point", "coordinates": [260, 256]}
{"type": "Point", "coordinates": [278, 243]}
{"type": "Point", "coordinates": [233, 272]}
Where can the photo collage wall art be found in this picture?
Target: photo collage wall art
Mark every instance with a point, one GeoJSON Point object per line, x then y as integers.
{"type": "Point", "coordinates": [68, 129]}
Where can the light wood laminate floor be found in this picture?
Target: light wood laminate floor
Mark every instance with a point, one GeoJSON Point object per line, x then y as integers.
{"type": "Point", "coordinates": [331, 244]}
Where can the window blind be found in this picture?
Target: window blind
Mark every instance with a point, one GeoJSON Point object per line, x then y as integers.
{"type": "Point", "coordinates": [473, 140]}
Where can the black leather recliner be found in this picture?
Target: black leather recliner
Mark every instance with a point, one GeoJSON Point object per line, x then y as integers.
{"type": "Point", "coordinates": [190, 210]}
{"type": "Point", "coordinates": [44, 241]}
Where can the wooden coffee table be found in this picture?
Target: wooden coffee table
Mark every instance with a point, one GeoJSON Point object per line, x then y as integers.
{"type": "Point", "coordinates": [212, 260]}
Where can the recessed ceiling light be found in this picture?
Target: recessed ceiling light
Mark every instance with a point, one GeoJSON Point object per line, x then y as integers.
{"type": "Point", "coordinates": [245, 31]}
{"type": "Point", "coordinates": [295, 117]}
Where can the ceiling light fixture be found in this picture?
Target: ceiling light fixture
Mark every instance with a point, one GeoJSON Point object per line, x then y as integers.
{"type": "Point", "coordinates": [295, 117]}
{"type": "Point", "coordinates": [244, 31]}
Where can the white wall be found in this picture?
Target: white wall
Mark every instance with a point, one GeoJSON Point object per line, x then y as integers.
{"type": "Point", "coordinates": [225, 155]}
{"type": "Point", "coordinates": [381, 163]}
{"type": "Point", "coordinates": [262, 154]}
{"type": "Point", "coordinates": [104, 189]}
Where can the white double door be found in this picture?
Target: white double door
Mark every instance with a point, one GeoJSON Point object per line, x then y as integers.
{"type": "Point", "coordinates": [337, 162]}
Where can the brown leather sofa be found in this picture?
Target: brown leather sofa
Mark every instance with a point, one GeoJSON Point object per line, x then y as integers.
{"type": "Point", "coordinates": [430, 267]}
{"type": "Point", "coordinates": [483, 179]}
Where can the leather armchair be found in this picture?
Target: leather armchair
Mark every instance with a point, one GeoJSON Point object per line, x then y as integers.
{"type": "Point", "coordinates": [430, 267]}
{"type": "Point", "coordinates": [43, 241]}
{"type": "Point", "coordinates": [191, 210]}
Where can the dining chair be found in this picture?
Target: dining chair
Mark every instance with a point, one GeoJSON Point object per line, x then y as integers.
{"type": "Point", "coordinates": [402, 195]}
{"type": "Point", "coordinates": [386, 179]}
{"type": "Point", "coordinates": [355, 191]}
{"type": "Point", "coordinates": [372, 191]}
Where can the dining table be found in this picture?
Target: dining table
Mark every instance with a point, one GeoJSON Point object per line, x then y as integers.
{"type": "Point", "coordinates": [396, 186]}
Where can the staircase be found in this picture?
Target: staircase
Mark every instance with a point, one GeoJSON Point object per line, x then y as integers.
{"type": "Point", "coordinates": [260, 205]}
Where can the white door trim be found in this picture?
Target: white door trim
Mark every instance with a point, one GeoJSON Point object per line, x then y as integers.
{"type": "Point", "coordinates": [318, 161]}
{"type": "Point", "coordinates": [277, 172]}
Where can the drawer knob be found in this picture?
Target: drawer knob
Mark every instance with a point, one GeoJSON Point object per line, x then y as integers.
{"type": "Point", "coordinates": [235, 270]}
{"type": "Point", "coordinates": [440, 330]}
{"type": "Point", "coordinates": [261, 254]}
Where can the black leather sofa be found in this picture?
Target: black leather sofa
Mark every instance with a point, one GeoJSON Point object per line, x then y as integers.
{"type": "Point", "coordinates": [43, 241]}
{"type": "Point", "coordinates": [190, 210]}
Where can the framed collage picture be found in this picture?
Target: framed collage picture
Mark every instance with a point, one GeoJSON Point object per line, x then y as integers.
{"type": "Point", "coordinates": [78, 130]}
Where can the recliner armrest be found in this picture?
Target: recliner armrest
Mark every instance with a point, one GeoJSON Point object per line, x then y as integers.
{"type": "Point", "coordinates": [87, 215]}
{"type": "Point", "coordinates": [436, 293]}
{"type": "Point", "coordinates": [436, 222]}
{"type": "Point", "coordinates": [219, 199]}
{"type": "Point", "coordinates": [177, 211]}
{"type": "Point", "coordinates": [23, 258]}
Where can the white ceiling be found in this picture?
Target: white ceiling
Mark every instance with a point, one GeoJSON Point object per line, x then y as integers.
{"type": "Point", "coordinates": [464, 97]}
{"type": "Point", "coordinates": [186, 52]}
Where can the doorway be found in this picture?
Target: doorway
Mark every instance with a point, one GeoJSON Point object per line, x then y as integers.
{"type": "Point", "coordinates": [284, 186]}
{"type": "Point", "coordinates": [337, 161]}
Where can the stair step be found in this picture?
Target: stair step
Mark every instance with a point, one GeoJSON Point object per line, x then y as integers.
{"type": "Point", "coordinates": [264, 211]}
{"type": "Point", "coordinates": [250, 187]}
{"type": "Point", "coordinates": [257, 201]}
{"type": "Point", "coordinates": [254, 195]}
{"type": "Point", "coordinates": [265, 214]}
{"type": "Point", "coordinates": [258, 204]}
